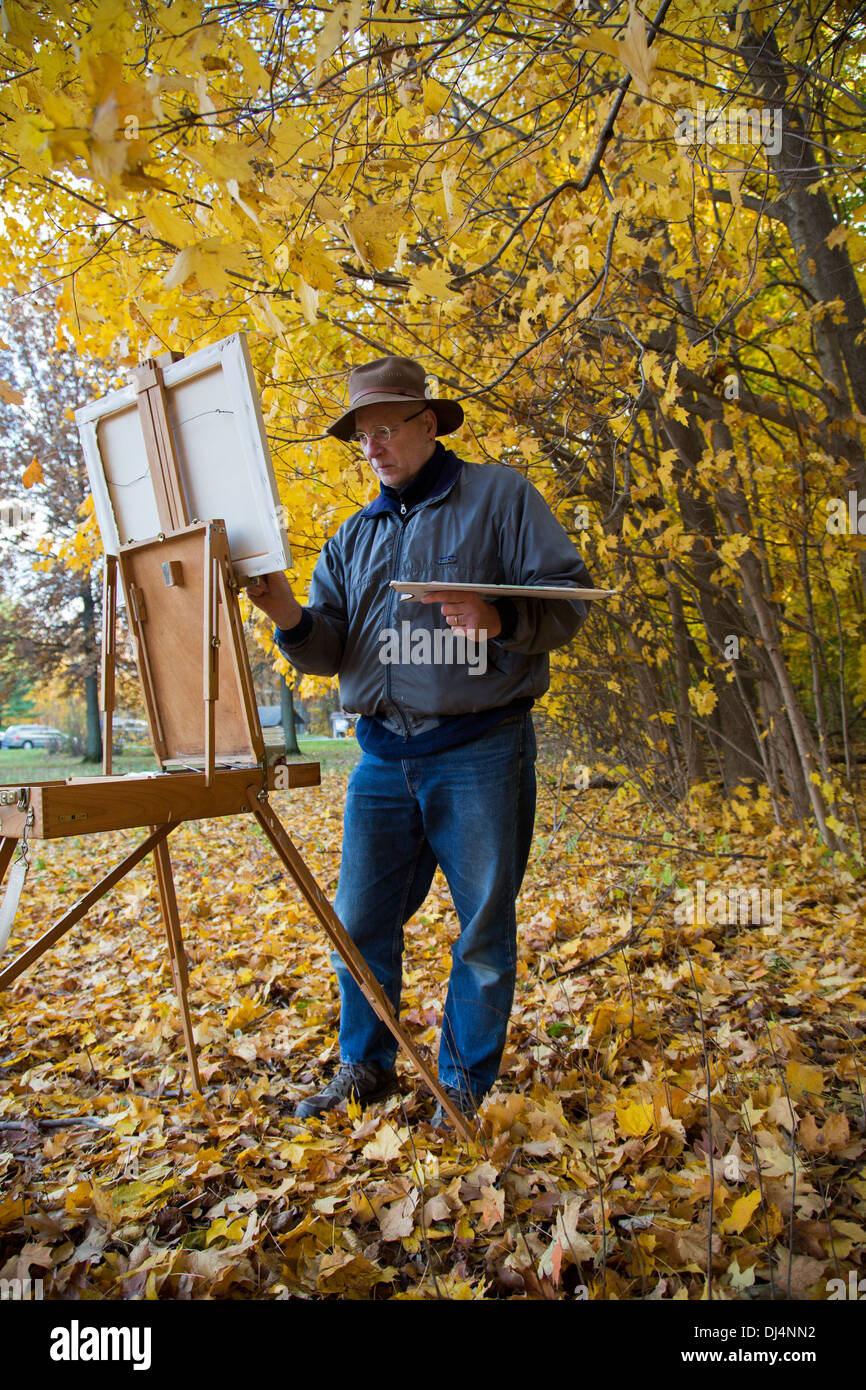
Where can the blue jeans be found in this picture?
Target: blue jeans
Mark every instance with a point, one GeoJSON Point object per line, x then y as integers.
{"type": "Point", "coordinates": [470, 809]}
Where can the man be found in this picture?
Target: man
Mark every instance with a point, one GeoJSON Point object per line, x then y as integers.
{"type": "Point", "coordinates": [447, 771]}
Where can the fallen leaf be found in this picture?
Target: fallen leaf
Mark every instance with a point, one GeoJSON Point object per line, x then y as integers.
{"type": "Point", "coordinates": [741, 1213]}
{"type": "Point", "coordinates": [386, 1145]}
{"type": "Point", "coordinates": [32, 473]}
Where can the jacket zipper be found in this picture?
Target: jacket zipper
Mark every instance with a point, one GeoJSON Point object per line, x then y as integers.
{"type": "Point", "coordinates": [389, 613]}
{"type": "Point", "coordinates": [393, 600]}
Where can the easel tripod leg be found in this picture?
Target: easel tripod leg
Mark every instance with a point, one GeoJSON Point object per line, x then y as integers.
{"type": "Point", "coordinates": [10, 899]}
{"type": "Point", "coordinates": [7, 849]}
{"type": "Point", "coordinates": [69, 919]}
{"type": "Point", "coordinates": [339, 937]}
{"type": "Point", "coordinates": [171, 919]}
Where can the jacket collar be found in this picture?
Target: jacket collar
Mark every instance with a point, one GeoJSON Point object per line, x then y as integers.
{"type": "Point", "coordinates": [444, 468]}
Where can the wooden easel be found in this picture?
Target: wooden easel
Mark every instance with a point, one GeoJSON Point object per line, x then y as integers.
{"type": "Point", "coordinates": [204, 727]}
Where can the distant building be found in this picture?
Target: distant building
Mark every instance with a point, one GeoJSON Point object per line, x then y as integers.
{"type": "Point", "coordinates": [342, 724]}
{"type": "Point", "coordinates": [271, 718]}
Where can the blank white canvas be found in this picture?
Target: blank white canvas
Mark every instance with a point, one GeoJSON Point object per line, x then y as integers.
{"type": "Point", "coordinates": [222, 453]}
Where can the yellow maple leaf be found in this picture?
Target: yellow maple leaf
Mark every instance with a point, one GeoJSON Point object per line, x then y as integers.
{"type": "Point", "coordinates": [255, 75]}
{"type": "Point", "coordinates": [435, 96]}
{"type": "Point", "coordinates": [340, 18]}
{"type": "Point", "coordinates": [802, 1078]}
{"type": "Point", "coordinates": [168, 224]}
{"type": "Point", "coordinates": [431, 282]}
{"type": "Point", "coordinates": [741, 1213]}
{"type": "Point", "coordinates": [227, 160]}
{"type": "Point", "coordinates": [308, 299]}
{"type": "Point", "coordinates": [373, 233]}
{"type": "Point", "coordinates": [702, 698]}
{"type": "Point", "coordinates": [209, 261]}
{"type": "Point", "coordinates": [246, 1012]}
{"type": "Point", "coordinates": [225, 1228]}
{"type": "Point", "coordinates": [633, 51]}
{"type": "Point", "coordinates": [635, 1117]}
{"type": "Point", "coordinates": [386, 1143]}
{"type": "Point", "coordinates": [32, 473]}
{"type": "Point", "coordinates": [8, 394]}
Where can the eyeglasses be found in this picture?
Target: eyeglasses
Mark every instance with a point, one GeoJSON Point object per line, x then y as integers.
{"type": "Point", "coordinates": [383, 434]}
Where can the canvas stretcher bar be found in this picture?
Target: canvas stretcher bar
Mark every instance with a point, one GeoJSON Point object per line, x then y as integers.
{"type": "Point", "coordinates": [184, 442]}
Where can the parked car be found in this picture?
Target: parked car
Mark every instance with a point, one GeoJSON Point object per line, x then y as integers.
{"type": "Point", "coordinates": [126, 730]}
{"type": "Point", "coordinates": [126, 725]}
{"type": "Point", "coordinates": [34, 736]}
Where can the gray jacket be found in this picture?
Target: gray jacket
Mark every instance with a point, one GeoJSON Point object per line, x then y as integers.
{"type": "Point", "coordinates": [482, 522]}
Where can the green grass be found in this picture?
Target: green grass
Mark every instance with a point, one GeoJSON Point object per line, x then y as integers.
{"type": "Point", "coordinates": [38, 765]}
{"type": "Point", "coordinates": [21, 766]}
{"type": "Point", "coordinates": [335, 754]}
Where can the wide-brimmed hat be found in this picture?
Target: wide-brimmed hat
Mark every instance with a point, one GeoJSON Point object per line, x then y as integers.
{"type": "Point", "coordinates": [389, 380]}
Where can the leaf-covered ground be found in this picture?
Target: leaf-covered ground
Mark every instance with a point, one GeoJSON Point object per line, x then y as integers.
{"type": "Point", "coordinates": [592, 1175]}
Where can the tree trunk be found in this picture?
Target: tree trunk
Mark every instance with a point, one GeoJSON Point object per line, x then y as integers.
{"type": "Point", "coordinates": [287, 715]}
{"type": "Point", "coordinates": [731, 728]}
{"type": "Point", "coordinates": [695, 769]}
{"type": "Point", "coordinates": [93, 739]}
